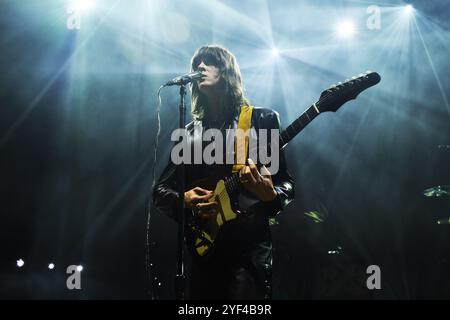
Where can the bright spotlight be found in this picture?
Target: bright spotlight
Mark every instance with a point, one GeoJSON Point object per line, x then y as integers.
{"type": "Point", "coordinates": [346, 29]}
{"type": "Point", "coordinates": [20, 263]}
{"type": "Point", "coordinates": [275, 52]}
{"type": "Point", "coordinates": [80, 268]}
{"type": "Point", "coordinates": [409, 8]}
{"type": "Point", "coordinates": [83, 5]}
{"type": "Point", "coordinates": [51, 266]}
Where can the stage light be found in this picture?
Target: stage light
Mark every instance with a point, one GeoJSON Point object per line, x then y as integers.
{"type": "Point", "coordinates": [83, 5]}
{"type": "Point", "coordinates": [20, 263]}
{"type": "Point", "coordinates": [346, 29]}
{"type": "Point", "coordinates": [80, 268]}
{"type": "Point", "coordinates": [51, 266]}
{"type": "Point", "coordinates": [275, 52]}
{"type": "Point", "coordinates": [409, 8]}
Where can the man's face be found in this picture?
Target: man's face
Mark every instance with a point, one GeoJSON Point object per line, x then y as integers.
{"type": "Point", "coordinates": [211, 78]}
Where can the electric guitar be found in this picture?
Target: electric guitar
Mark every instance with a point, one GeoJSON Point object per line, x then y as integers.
{"type": "Point", "coordinates": [228, 191]}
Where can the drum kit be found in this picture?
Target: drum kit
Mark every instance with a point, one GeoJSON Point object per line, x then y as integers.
{"type": "Point", "coordinates": [441, 191]}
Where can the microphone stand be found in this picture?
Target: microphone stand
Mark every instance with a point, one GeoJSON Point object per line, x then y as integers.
{"type": "Point", "coordinates": [180, 277]}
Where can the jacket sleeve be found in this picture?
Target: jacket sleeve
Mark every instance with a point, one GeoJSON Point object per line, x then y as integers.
{"type": "Point", "coordinates": [165, 195]}
{"type": "Point", "coordinates": [283, 182]}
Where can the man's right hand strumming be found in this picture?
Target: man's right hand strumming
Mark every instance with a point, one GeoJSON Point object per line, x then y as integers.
{"type": "Point", "coordinates": [198, 200]}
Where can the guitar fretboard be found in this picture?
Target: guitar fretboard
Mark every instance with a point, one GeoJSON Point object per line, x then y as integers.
{"type": "Point", "coordinates": [298, 125]}
{"type": "Point", "coordinates": [233, 183]}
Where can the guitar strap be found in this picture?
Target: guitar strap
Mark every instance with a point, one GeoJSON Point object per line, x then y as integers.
{"type": "Point", "coordinates": [242, 137]}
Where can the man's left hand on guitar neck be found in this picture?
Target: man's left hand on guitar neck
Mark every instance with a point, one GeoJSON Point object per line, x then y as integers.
{"type": "Point", "coordinates": [259, 183]}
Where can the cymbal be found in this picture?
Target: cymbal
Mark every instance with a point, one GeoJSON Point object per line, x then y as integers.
{"type": "Point", "coordinates": [443, 221]}
{"type": "Point", "coordinates": [436, 192]}
{"type": "Point", "coordinates": [316, 216]}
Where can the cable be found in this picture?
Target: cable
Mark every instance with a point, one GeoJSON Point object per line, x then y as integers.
{"type": "Point", "coordinates": [148, 263]}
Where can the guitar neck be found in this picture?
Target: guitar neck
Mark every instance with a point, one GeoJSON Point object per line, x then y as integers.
{"type": "Point", "coordinates": [330, 100]}
{"type": "Point", "coordinates": [298, 125]}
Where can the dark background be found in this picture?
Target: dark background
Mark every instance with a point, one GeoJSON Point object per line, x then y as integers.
{"type": "Point", "coordinates": [78, 123]}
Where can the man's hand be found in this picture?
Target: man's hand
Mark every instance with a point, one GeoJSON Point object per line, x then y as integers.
{"type": "Point", "coordinates": [260, 184]}
{"type": "Point", "coordinates": [199, 200]}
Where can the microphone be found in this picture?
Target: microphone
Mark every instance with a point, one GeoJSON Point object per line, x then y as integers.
{"type": "Point", "coordinates": [184, 79]}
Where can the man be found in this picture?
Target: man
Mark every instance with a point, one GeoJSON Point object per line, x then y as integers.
{"type": "Point", "coordinates": [240, 265]}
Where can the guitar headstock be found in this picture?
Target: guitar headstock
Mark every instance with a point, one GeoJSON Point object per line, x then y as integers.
{"type": "Point", "coordinates": [334, 97]}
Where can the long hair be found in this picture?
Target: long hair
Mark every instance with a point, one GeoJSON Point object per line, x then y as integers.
{"type": "Point", "coordinates": [231, 79]}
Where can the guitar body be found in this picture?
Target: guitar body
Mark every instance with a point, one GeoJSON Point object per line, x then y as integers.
{"type": "Point", "coordinates": [206, 236]}
{"type": "Point", "coordinates": [206, 231]}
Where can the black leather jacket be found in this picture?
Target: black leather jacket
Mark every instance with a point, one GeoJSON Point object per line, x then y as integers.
{"type": "Point", "coordinates": [256, 229]}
